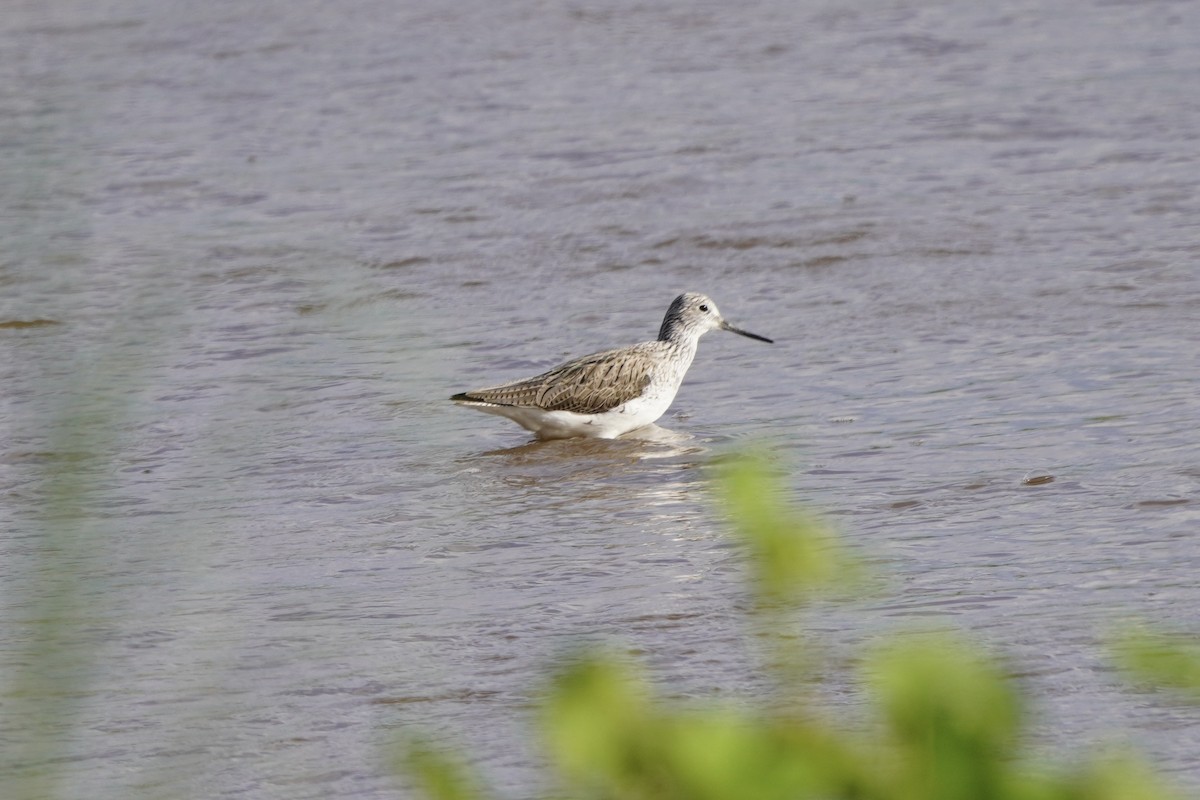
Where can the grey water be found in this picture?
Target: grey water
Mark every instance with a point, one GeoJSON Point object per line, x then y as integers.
{"type": "Point", "coordinates": [249, 249]}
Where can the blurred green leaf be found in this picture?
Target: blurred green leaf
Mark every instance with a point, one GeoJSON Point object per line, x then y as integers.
{"type": "Point", "coordinates": [1161, 659]}
{"type": "Point", "coordinates": [609, 739]}
{"type": "Point", "coordinates": [1115, 777]}
{"type": "Point", "coordinates": [950, 719]}
{"type": "Point", "coordinates": [952, 715]}
{"type": "Point", "coordinates": [599, 729]}
{"type": "Point", "coordinates": [793, 556]}
{"type": "Point", "coordinates": [439, 775]}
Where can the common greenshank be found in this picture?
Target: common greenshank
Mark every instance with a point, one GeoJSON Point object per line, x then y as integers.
{"type": "Point", "coordinates": [611, 393]}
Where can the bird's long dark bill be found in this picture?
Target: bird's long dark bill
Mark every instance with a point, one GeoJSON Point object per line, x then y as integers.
{"type": "Point", "coordinates": [725, 326]}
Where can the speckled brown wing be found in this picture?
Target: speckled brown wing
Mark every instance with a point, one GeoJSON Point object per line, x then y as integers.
{"type": "Point", "coordinates": [588, 385]}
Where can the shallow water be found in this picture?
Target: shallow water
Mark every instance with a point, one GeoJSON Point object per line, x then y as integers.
{"type": "Point", "coordinates": [275, 237]}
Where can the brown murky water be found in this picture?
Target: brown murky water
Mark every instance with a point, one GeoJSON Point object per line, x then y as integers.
{"type": "Point", "coordinates": [278, 235]}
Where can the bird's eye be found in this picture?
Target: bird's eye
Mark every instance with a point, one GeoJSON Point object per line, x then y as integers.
{"type": "Point", "coordinates": [704, 307]}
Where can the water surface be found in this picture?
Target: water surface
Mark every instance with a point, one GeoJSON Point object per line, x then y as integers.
{"type": "Point", "coordinates": [275, 237]}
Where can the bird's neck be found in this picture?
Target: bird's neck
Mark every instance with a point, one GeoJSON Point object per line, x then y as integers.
{"type": "Point", "coordinates": [674, 332]}
{"type": "Point", "coordinates": [682, 346]}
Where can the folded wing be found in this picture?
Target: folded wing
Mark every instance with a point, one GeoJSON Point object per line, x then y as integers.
{"type": "Point", "coordinates": [589, 385]}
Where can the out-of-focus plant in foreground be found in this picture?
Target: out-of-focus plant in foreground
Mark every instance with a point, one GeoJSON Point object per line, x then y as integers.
{"type": "Point", "coordinates": [1156, 658]}
{"type": "Point", "coordinates": [945, 721]}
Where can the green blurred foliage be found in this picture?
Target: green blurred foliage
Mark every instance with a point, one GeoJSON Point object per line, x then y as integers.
{"type": "Point", "coordinates": [952, 719]}
{"type": "Point", "coordinates": [436, 773]}
{"type": "Point", "coordinates": [1161, 659]}
{"type": "Point", "coordinates": [945, 723]}
{"type": "Point", "coordinates": [57, 612]}
{"type": "Point", "coordinates": [792, 556]}
{"type": "Point", "coordinates": [609, 738]}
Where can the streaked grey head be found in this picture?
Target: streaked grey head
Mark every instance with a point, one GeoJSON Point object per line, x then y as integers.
{"type": "Point", "coordinates": [691, 315]}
